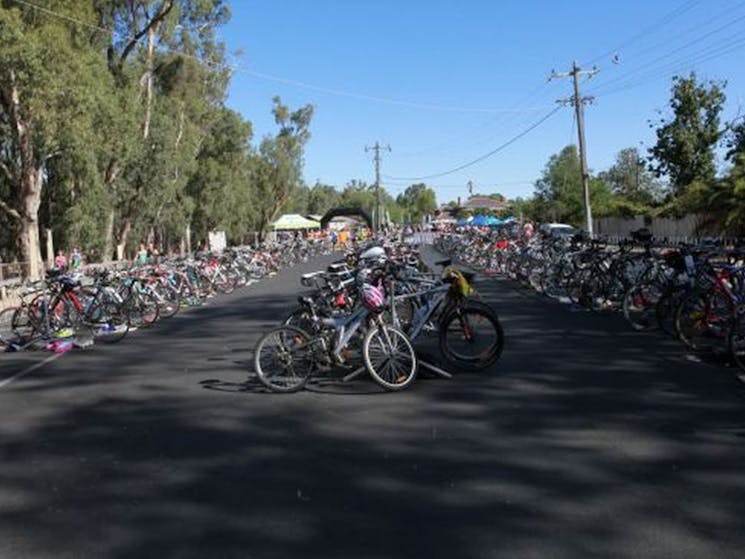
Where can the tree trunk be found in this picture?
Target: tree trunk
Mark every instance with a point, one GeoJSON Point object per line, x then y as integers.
{"type": "Point", "coordinates": [124, 231]}
{"type": "Point", "coordinates": [29, 245]}
{"type": "Point", "coordinates": [29, 242]}
{"type": "Point", "coordinates": [50, 248]}
{"type": "Point", "coordinates": [112, 173]}
{"type": "Point", "coordinates": [148, 83]}
{"type": "Point", "coordinates": [108, 244]}
{"type": "Point", "coordinates": [30, 179]}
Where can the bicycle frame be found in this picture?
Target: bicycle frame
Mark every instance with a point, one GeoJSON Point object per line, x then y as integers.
{"type": "Point", "coordinates": [434, 296]}
{"type": "Point", "coordinates": [346, 327]}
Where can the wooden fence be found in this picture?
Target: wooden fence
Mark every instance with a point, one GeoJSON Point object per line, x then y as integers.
{"type": "Point", "coordinates": [688, 227]}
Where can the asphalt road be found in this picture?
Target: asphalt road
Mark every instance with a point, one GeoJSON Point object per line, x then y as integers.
{"type": "Point", "coordinates": [586, 439]}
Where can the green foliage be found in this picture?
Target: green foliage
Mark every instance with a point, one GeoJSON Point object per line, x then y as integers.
{"type": "Point", "coordinates": [630, 179]}
{"type": "Point", "coordinates": [278, 165]}
{"type": "Point", "coordinates": [684, 151]}
{"type": "Point", "coordinates": [417, 201]}
{"type": "Point", "coordinates": [219, 187]}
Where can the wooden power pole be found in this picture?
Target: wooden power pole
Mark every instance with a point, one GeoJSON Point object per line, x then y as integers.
{"type": "Point", "coordinates": [579, 103]}
{"type": "Point", "coordinates": [376, 158]}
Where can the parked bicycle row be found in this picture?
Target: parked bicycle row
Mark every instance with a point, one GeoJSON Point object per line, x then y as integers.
{"type": "Point", "coordinates": [103, 305]}
{"type": "Point", "coordinates": [365, 313]}
{"type": "Point", "coordinates": [693, 293]}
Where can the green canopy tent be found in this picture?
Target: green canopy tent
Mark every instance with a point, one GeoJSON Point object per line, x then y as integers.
{"type": "Point", "coordinates": [291, 222]}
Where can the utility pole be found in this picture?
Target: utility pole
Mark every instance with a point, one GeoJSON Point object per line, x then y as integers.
{"type": "Point", "coordinates": [376, 158]}
{"type": "Point", "coordinates": [579, 103]}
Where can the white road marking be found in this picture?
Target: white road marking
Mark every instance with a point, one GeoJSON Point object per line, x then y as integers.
{"type": "Point", "coordinates": [30, 369]}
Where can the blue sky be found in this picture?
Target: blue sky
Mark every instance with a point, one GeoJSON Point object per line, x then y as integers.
{"type": "Point", "coordinates": [445, 82]}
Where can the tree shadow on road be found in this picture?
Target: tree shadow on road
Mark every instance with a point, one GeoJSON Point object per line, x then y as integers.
{"type": "Point", "coordinates": [584, 440]}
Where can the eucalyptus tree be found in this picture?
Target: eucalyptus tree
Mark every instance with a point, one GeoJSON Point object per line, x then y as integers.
{"type": "Point", "coordinates": [278, 165]}
{"type": "Point", "coordinates": [558, 193]}
{"type": "Point", "coordinates": [164, 56]}
{"type": "Point", "coordinates": [686, 140]}
{"type": "Point", "coordinates": [220, 186]}
{"type": "Point", "coordinates": [322, 198]}
{"type": "Point", "coordinates": [630, 178]}
{"type": "Point", "coordinates": [417, 201]}
{"type": "Point", "coordinates": [48, 88]}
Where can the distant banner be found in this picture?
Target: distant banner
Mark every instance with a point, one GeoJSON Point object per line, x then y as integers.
{"type": "Point", "coordinates": [217, 241]}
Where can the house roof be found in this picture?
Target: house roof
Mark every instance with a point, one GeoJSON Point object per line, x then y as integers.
{"type": "Point", "coordinates": [484, 202]}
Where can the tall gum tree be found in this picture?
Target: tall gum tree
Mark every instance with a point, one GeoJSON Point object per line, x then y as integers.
{"type": "Point", "coordinates": [145, 35]}
{"type": "Point", "coordinates": [45, 73]}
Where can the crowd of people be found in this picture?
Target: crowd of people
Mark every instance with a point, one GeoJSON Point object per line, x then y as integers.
{"type": "Point", "coordinates": [340, 239]}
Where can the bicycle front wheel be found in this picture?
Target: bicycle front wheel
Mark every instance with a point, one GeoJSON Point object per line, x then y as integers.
{"type": "Point", "coordinates": [283, 359]}
{"type": "Point", "coordinates": [389, 357]}
{"type": "Point", "coordinates": [471, 338]}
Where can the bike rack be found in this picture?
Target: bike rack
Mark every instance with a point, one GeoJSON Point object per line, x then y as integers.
{"type": "Point", "coordinates": [429, 366]}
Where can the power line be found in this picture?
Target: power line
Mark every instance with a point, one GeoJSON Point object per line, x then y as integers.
{"type": "Point", "coordinates": [385, 100]}
{"type": "Point", "coordinates": [672, 68]}
{"type": "Point", "coordinates": [474, 137]}
{"type": "Point", "coordinates": [399, 184]}
{"type": "Point", "coordinates": [649, 66]}
{"type": "Point", "coordinates": [486, 155]}
{"type": "Point", "coordinates": [304, 85]}
{"type": "Point", "coordinates": [664, 20]}
{"type": "Point", "coordinates": [61, 16]}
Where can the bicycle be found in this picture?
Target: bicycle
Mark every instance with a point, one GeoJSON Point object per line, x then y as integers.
{"type": "Point", "coordinates": [286, 357]}
{"type": "Point", "coordinates": [470, 335]}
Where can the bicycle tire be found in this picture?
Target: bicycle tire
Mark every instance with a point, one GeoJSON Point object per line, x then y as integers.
{"type": "Point", "coordinates": [267, 361]}
{"type": "Point", "coordinates": [7, 334]}
{"type": "Point", "coordinates": [142, 308]}
{"type": "Point", "coordinates": [666, 309]}
{"type": "Point", "coordinates": [167, 298]}
{"type": "Point", "coordinates": [463, 328]}
{"type": "Point", "coordinates": [399, 365]}
{"type": "Point", "coordinates": [701, 319]}
{"type": "Point", "coordinates": [110, 320]}
{"type": "Point", "coordinates": [300, 318]}
{"type": "Point", "coordinates": [640, 305]}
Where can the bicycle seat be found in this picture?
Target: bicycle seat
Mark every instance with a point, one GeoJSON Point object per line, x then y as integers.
{"type": "Point", "coordinates": [444, 263]}
{"type": "Point", "coordinates": [337, 267]}
{"type": "Point", "coordinates": [305, 301]}
{"type": "Point", "coordinates": [469, 276]}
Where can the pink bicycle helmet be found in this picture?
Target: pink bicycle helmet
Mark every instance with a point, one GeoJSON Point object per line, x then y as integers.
{"type": "Point", "coordinates": [373, 297]}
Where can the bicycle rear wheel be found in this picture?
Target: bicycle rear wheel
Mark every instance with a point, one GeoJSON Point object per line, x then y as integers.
{"type": "Point", "coordinates": [471, 338]}
{"type": "Point", "coordinates": [703, 320]}
{"type": "Point", "coordinates": [389, 357]}
{"type": "Point", "coordinates": [640, 305]}
{"type": "Point", "coordinates": [142, 309]}
{"type": "Point", "coordinates": [110, 321]}
{"type": "Point", "coordinates": [283, 359]}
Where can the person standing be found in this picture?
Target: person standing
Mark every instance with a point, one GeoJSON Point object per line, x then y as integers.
{"type": "Point", "coordinates": [60, 261]}
{"type": "Point", "coordinates": [76, 259]}
{"type": "Point", "coordinates": [528, 230]}
{"type": "Point", "coordinates": [141, 256]}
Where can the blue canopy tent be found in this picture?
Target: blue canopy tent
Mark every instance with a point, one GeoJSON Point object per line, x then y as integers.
{"type": "Point", "coordinates": [479, 221]}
